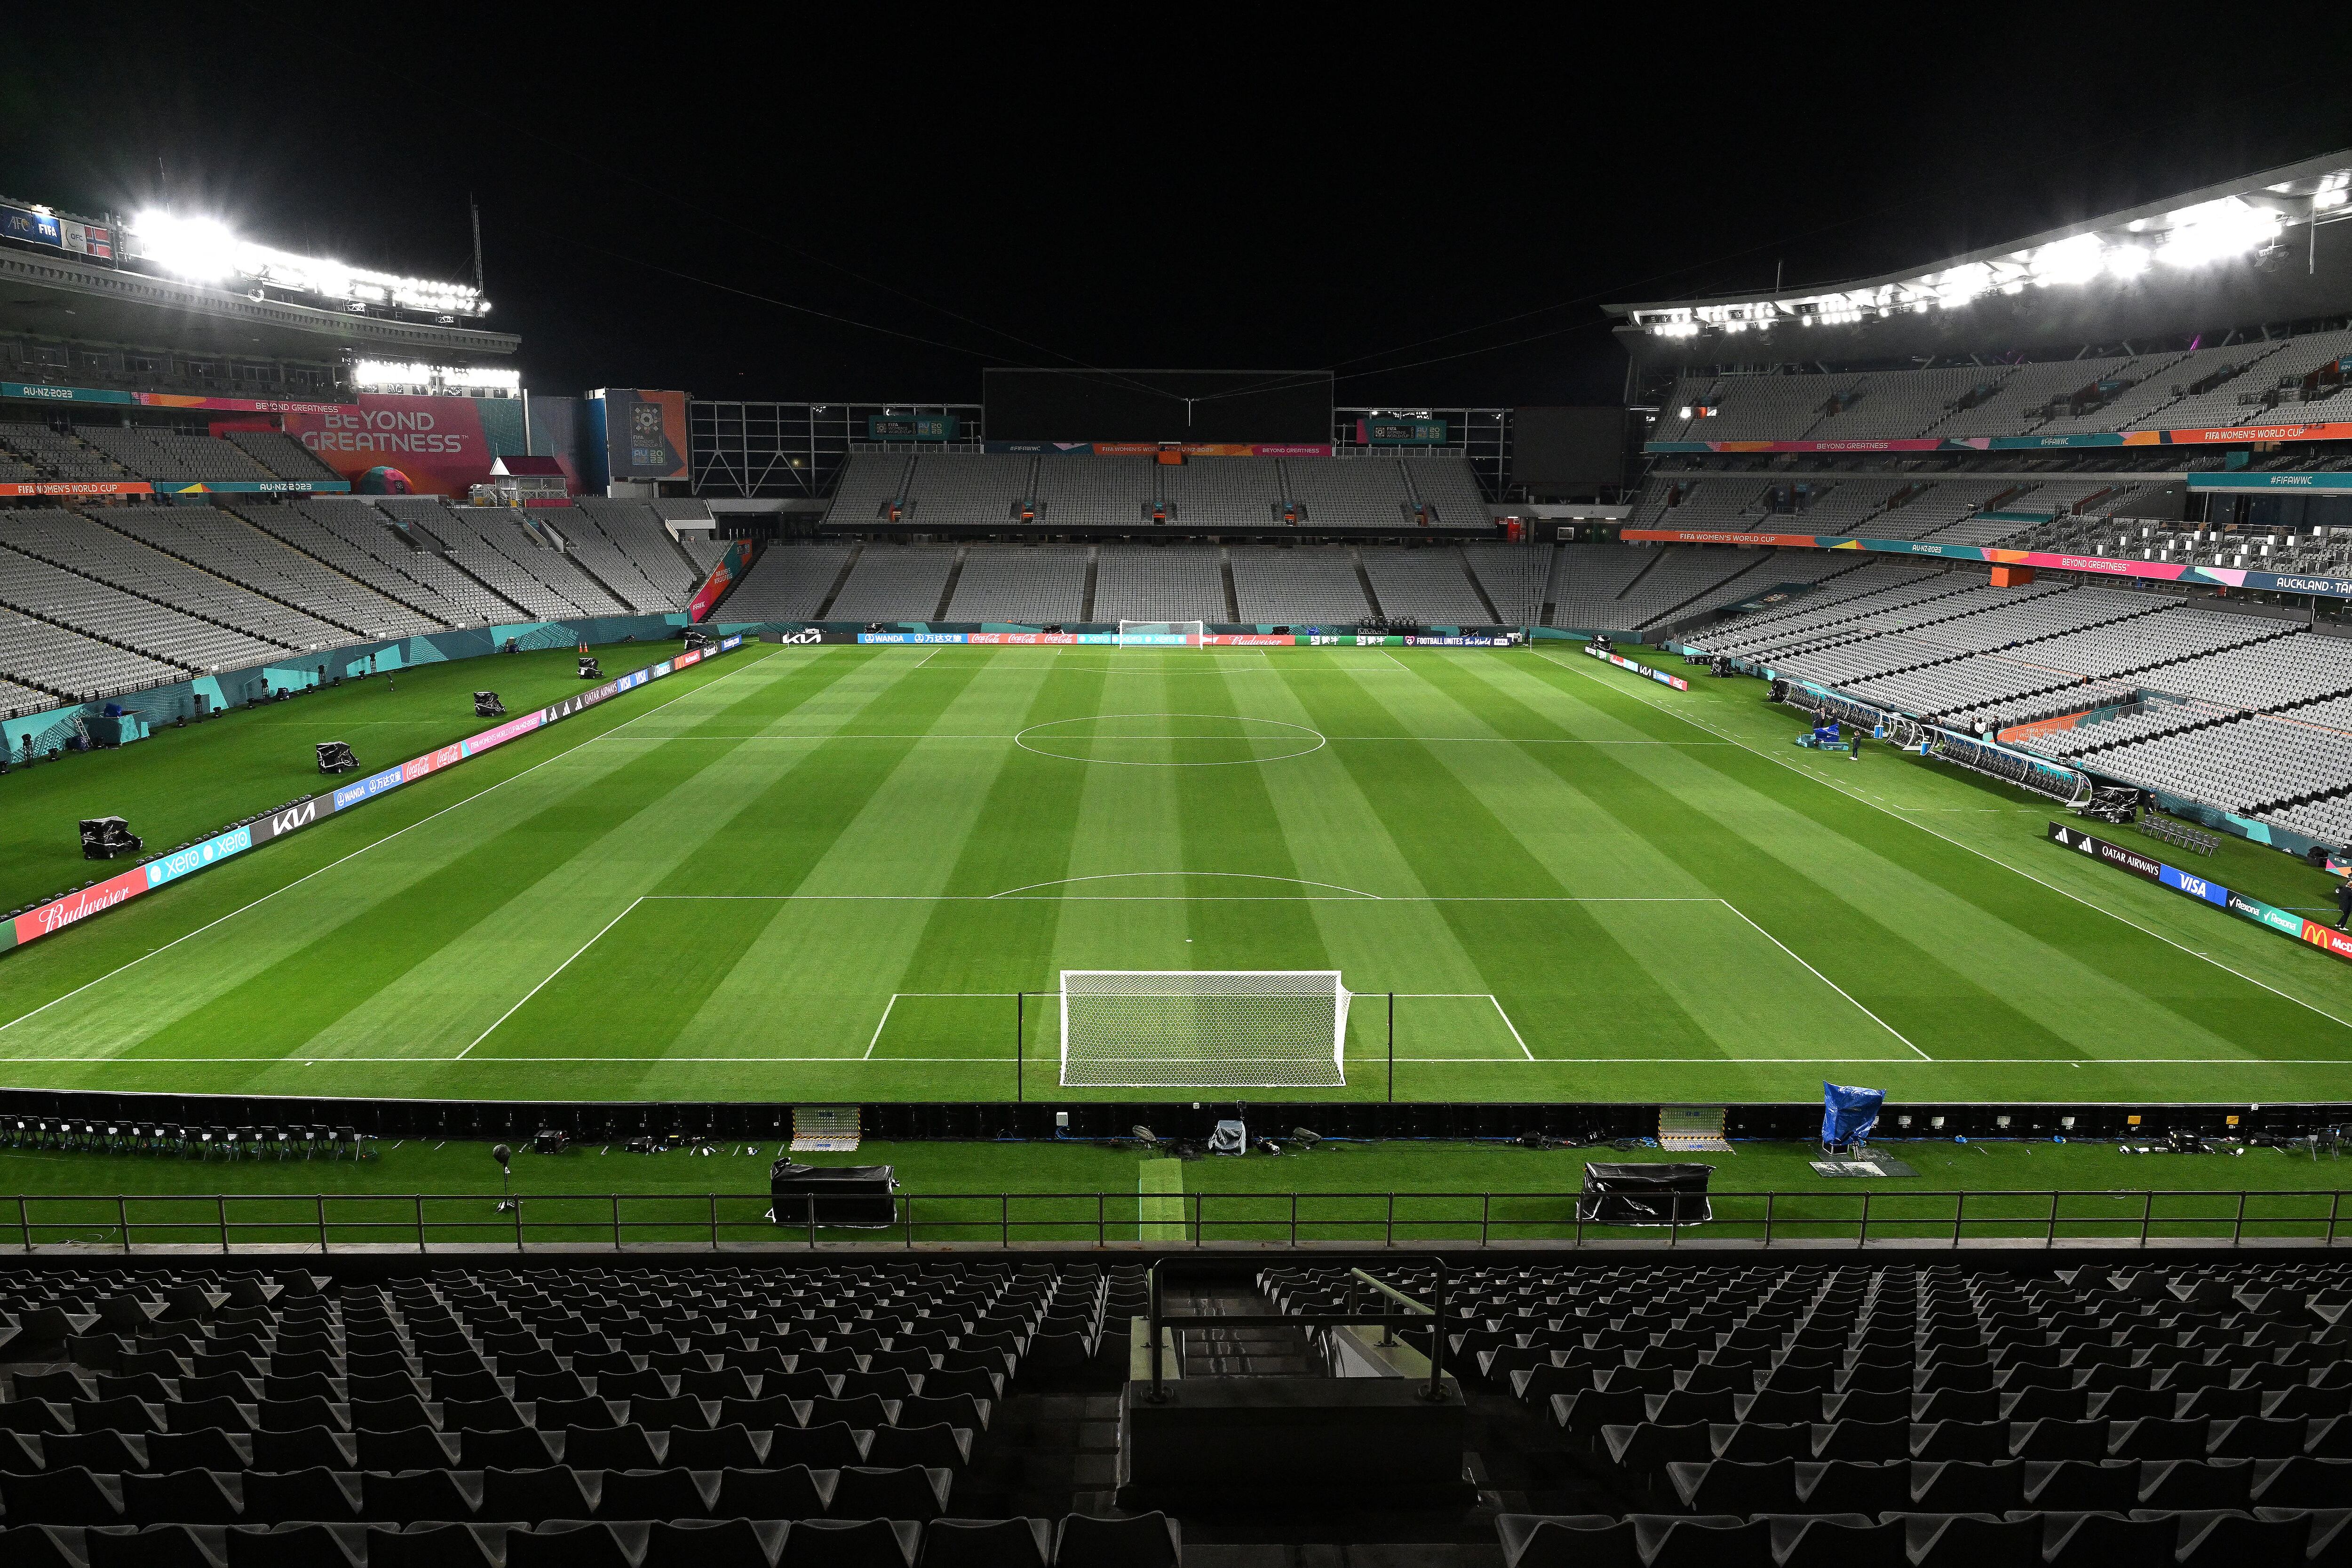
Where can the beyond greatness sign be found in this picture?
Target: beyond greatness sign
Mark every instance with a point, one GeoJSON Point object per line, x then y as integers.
{"type": "Point", "coordinates": [47, 919]}
{"type": "Point", "coordinates": [2286, 922]}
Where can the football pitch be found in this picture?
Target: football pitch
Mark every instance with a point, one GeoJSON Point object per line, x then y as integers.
{"type": "Point", "coordinates": [857, 873]}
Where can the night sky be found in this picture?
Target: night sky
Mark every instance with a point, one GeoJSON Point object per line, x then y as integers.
{"type": "Point", "coordinates": [1435, 210]}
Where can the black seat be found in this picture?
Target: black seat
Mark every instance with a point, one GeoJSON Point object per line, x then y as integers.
{"type": "Point", "coordinates": [653, 1494]}
{"type": "Point", "coordinates": [843, 1543]}
{"type": "Point", "coordinates": [516, 1448]}
{"type": "Point", "coordinates": [526, 1497]}
{"type": "Point", "coordinates": [302, 1447]}
{"type": "Point", "coordinates": [725, 1447]}
{"type": "Point", "coordinates": [831, 1447]}
{"type": "Point", "coordinates": [153, 1546]}
{"type": "Point", "coordinates": [905, 1491]}
{"type": "Point", "coordinates": [986, 1543]}
{"type": "Point", "coordinates": [106, 1453]}
{"type": "Point", "coordinates": [627, 1448]}
{"type": "Point", "coordinates": [206, 1449]}
{"type": "Point", "coordinates": [793, 1491]}
{"type": "Point", "coordinates": [306, 1544]}
{"type": "Point", "coordinates": [411, 1448]}
{"type": "Point", "coordinates": [1145, 1541]}
{"type": "Point", "coordinates": [316, 1493]}
{"type": "Point", "coordinates": [1971, 1539]}
{"type": "Point", "coordinates": [567, 1543]}
{"type": "Point", "coordinates": [68, 1496]}
{"type": "Point", "coordinates": [413, 1496]}
{"type": "Point", "coordinates": [179, 1497]}
{"type": "Point", "coordinates": [694, 1544]}
{"type": "Point", "coordinates": [1833, 1540]}
{"type": "Point", "coordinates": [938, 1447]}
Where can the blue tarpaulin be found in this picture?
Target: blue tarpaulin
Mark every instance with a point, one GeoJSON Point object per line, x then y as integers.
{"type": "Point", "coordinates": [1849, 1114]}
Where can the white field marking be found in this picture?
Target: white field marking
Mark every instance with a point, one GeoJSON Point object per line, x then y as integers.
{"type": "Point", "coordinates": [1509, 1025]}
{"type": "Point", "coordinates": [387, 838]}
{"type": "Point", "coordinates": [820, 737]}
{"type": "Point", "coordinates": [1940, 1063]}
{"type": "Point", "coordinates": [1242, 876]}
{"type": "Point", "coordinates": [1825, 979]}
{"type": "Point", "coordinates": [880, 1024]}
{"type": "Point", "coordinates": [1980, 854]}
{"type": "Point", "coordinates": [1321, 739]}
{"type": "Point", "coordinates": [551, 974]}
{"type": "Point", "coordinates": [878, 1027]}
{"type": "Point", "coordinates": [1012, 895]}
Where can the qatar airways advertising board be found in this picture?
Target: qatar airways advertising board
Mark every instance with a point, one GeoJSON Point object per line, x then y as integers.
{"type": "Point", "coordinates": [389, 444]}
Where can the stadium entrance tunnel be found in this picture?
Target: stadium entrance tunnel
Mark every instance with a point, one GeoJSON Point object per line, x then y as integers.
{"type": "Point", "coordinates": [1170, 740]}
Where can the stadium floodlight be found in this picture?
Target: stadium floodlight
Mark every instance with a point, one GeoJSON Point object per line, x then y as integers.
{"type": "Point", "coordinates": [1267, 1029]}
{"type": "Point", "coordinates": [201, 248]}
{"type": "Point", "coordinates": [2076, 259]}
{"type": "Point", "coordinates": [205, 250]}
{"type": "Point", "coordinates": [2216, 230]}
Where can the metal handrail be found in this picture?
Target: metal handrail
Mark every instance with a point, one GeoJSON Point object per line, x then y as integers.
{"type": "Point", "coordinates": [1381, 1220]}
{"type": "Point", "coordinates": [1433, 1391]}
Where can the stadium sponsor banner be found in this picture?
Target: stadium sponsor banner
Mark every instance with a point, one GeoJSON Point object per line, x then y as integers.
{"type": "Point", "coordinates": [1152, 449]}
{"type": "Point", "coordinates": [397, 444]}
{"type": "Point", "coordinates": [1483, 642]}
{"type": "Point", "coordinates": [922, 637]}
{"type": "Point", "coordinates": [1247, 640]}
{"type": "Point", "coordinates": [2100, 566]}
{"type": "Point", "coordinates": [2244, 483]}
{"type": "Point", "coordinates": [2208, 436]}
{"type": "Point", "coordinates": [1622, 662]}
{"type": "Point", "coordinates": [256, 486]}
{"type": "Point", "coordinates": [78, 488]}
{"type": "Point", "coordinates": [48, 919]}
{"type": "Point", "coordinates": [68, 235]}
{"type": "Point", "coordinates": [732, 565]}
{"type": "Point", "coordinates": [237, 404]}
{"type": "Point", "coordinates": [2286, 922]}
{"type": "Point", "coordinates": [1718, 536]}
{"type": "Point", "coordinates": [35, 393]}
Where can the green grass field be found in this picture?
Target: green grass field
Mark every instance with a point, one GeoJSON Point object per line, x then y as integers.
{"type": "Point", "coordinates": [821, 873]}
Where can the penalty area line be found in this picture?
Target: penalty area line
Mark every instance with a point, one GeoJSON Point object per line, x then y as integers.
{"type": "Point", "coordinates": [552, 973]}
{"type": "Point", "coordinates": [1825, 979]}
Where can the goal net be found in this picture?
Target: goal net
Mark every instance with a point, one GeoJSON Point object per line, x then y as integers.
{"type": "Point", "coordinates": [1210, 1028]}
{"type": "Point", "coordinates": [1163, 633]}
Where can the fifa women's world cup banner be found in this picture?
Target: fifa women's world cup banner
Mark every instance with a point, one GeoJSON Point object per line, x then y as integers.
{"type": "Point", "coordinates": [396, 444]}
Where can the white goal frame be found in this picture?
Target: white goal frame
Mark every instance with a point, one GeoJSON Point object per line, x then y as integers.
{"type": "Point", "coordinates": [1164, 634]}
{"type": "Point", "coordinates": [1248, 1028]}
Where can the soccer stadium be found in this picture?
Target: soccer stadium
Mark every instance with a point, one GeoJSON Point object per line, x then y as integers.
{"type": "Point", "coordinates": [1157, 966]}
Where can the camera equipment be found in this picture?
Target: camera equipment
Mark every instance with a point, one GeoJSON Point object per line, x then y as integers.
{"type": "Point", "coordinates": [590, 669]}
{"type": "Point", "coordinates": [104, 837]}
{"type": "Point", "coordinates": [335, 757]}
{"type": "Point", "coordinates": [487, 706]}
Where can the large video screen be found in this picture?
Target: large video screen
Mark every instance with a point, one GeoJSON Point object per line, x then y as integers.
{"type": "Point", "coordinates": [1566, 448]}
{"type": "Point", "coordinates": [1274, 407]}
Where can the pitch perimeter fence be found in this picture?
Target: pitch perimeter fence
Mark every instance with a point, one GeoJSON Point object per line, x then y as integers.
{"type": "Point", "coordinates": [424, 1222]}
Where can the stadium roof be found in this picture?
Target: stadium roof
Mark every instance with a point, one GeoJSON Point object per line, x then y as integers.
{"type": "Point", "coordinates": [2236, 254]}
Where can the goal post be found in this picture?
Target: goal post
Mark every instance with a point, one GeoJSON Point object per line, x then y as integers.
{"type": "Point", "coordinates": [1163, 633]}
{"type": "Point", "coordinates": [1205, 1028]}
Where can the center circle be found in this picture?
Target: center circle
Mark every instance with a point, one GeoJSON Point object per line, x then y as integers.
{"type": "Point", "coordinates": [1169, 740]}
